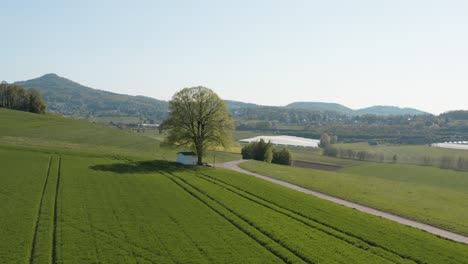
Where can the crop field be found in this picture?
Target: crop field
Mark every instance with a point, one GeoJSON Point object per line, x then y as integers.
{"type": "Point", "coordinates": [77, 209]}
{"type": "Point", "coordinates": [63, 203]}
{"type": "Point", "coordinates": [21, 186]}
{"type": "Point", "coordinates": [431, 195]}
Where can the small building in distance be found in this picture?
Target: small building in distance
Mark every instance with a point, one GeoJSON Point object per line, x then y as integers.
{"type": "Point", "coordinates": [187, 158]}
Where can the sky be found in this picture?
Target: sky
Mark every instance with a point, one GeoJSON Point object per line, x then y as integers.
{"type": "Point", "coordinates": [411, 53]}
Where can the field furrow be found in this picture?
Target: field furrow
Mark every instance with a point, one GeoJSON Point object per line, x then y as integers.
{"type": "Point", "coordinates": [42, 247]}
{"type": "Point", "coordinates": [295, 236]}
{"type": "Point", "coordinates": [33, 247]}
{"type": "Point", "coordinates": [275, 247]}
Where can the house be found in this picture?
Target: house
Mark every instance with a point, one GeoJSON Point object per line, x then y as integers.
{"type": "Point", "coordinates": [187, 158]}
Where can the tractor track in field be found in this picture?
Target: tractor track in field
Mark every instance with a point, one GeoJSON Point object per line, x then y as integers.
{"type": "Point", "coordinates": [297, 217]}
{"type": "Point", "coordinates": [237, 225]}
{"type": "Point", "coordinates": [54, 232]}
{"type": "Point", "coordinates": [39, 212]}
{"type": "Point", "coordinates": [234, 165]}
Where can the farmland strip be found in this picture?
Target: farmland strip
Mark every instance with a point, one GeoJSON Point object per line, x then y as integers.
{"type": "Point", "coordinates": [54, 236]}
{"type": "Point", "coordinates": [33, 247]}
{"type": "Point", "coordinates": [258, 229]}
{"type": "Point", "coordinates": [298, 215]}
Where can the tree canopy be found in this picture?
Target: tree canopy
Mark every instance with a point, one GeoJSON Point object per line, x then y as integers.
{"type": "Point", "coordinates": [198, 118]}
{"type": "Point", "coordinates": [15, 97]}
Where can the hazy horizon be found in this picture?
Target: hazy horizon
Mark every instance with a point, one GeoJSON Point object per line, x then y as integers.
{"type": "Point", "coordinates": [357, 54]}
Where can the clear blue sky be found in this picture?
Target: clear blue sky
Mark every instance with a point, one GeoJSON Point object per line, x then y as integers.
{"type": "Point", "coordinates": [359, 53]}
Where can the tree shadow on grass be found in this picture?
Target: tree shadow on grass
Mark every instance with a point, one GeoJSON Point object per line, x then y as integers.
{"type": "Point", "coordinates": [142, 167]}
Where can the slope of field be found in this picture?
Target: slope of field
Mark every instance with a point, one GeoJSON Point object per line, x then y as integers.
{"type": "Point", "coordinates": [429, 195]}
{"type": "Point", "coordinates": [54, 133]}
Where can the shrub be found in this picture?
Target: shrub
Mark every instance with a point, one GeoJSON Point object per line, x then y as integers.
{"type": "Point", "coordinates": [260, 150]}
{"type": "Point", "coordinates": [330, 151]}
{"type": "Point", "coordinates": [324, 140]}
{"type": "Point", "coordinates": [447, 162]}
{"type": "Point", "coordinates": [362, 155]}
{"type": "Point", "coordinates": [282, 157]}
{"type": "Point", "coordinates": [462, 164]}
{"type": "Point", "coordinates": [247, 151]}
{"type": "Point", "coordinates": [427, 161]}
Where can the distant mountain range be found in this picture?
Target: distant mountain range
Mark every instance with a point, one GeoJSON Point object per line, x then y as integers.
{"type": "Point", "coordinates": [73, 99]}
{"type": "Point", "coordinates": [376, 110]}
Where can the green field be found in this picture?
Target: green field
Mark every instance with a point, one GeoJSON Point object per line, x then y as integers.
{"type": "Point", "coordinates": [411, 154]}
{"type": "Point", "coordinates": [431, 195]}
{"type": "Point", "coordinates": [56, 134]}
{"type": "Point", "coordinates": [117, 120]}
{"type": "Point", "coordinates": [315, 155]}
{"type": "Point", "coordinates": [240, 134]}
{"type": "Point", "coordinates": [73, 205]}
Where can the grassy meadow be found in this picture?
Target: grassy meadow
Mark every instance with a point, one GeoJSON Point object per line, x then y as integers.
{"type": "Point", "coordinates": [84, 197]}
{"type": "Point", "coordinates": [427, 194]}
{"type": "Point", "coordinates": [315, 155]}
{"type": "Point", "coordinates": [55, 134]}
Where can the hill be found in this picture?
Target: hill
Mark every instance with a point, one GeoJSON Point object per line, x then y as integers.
{"type": "Point", "coordinates": [54, 133]}
{"type": "Point", "coordinates": [71, 98]}
{"type": "Point", "coordinates": [57, 134]}
{"type": "Point", "coordinates": [232, 105]}
{"type": "Point", "coordinates": [376, 110]}
{"type": "Point", "coordinates": [320, 106]}
{"type": "Point", "coordinates": [389, 110]}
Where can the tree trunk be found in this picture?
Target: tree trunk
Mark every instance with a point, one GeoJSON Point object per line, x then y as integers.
{"type": "Point", "coordinates": [199, 149]}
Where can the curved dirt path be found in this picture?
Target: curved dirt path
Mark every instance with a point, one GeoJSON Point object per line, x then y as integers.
{"type": "Point", "coordinates": [233, 165]}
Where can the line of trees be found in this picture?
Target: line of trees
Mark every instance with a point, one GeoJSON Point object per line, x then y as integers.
{"type": "Point", "coordinates": [445, 162]}
{"type": "Point", "coordinates": [356, 155]}
{"type": "Point", "coordinates": [264, 151]}
{"type": "Point", "coordinates": [15, 97]}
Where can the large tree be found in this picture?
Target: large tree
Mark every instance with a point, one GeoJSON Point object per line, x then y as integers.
{"type": "Point", "coordinates": [198, 118]}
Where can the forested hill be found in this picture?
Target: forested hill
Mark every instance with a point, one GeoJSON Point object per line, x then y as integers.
{"type": "Point", "coordinates": [389, 110]}
{"type": "Point", "coordinates": [236, 104]}
{"type": "Point", "coordinates": [71, 98]}
{"type": "Point", "coordinates": [373, 110]}
{"type": "Point", "coordinates": [320, 106]}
